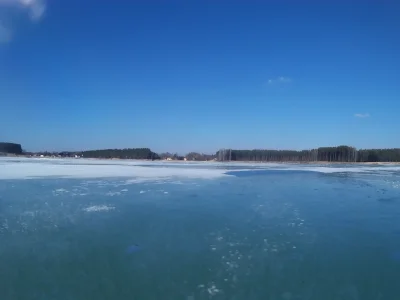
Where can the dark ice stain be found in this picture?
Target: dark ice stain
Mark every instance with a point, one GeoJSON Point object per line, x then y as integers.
{"type": "Point", "coordinates": [396, 256]}
{"type": "Point", "coordinates": [387, 200]}
{"type": "Point", "coordinates": [132, 248]}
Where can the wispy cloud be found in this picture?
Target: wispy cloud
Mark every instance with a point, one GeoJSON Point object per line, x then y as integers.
{"type": "Point", "coordinates": [35, 9]}
{"type": "Point", "coordinates": [280, 79]}
{"type": "Point", "coordinates": [362, 115]}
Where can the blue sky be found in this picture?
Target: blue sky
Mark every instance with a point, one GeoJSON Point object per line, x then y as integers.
{"type": "Point", "coordinates": [199, 75]}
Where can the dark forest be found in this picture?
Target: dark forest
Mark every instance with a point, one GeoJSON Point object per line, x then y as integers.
{"type": "Point", "coordinates": [328, 154]}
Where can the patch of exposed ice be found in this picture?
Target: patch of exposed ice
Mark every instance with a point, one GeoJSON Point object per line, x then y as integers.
{"type": "Point", "coordinates": [213, 290]}
{"type": "Point", "coordinates": [286, 296]}
{"type": "Point", "coordinates": [4, 226]}
{"type": "Point", "coordinates": [396, 185]}
{"type": "Point", "coordinates": [113, 193]}
{"type": "Point", "coordinates": [176, 182]}
{"type": "Point", "coordinates": [32, 168]}
{"type": "Point", "coordinates": [98, 208]}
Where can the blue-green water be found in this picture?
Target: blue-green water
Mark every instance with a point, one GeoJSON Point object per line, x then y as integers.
{"type": "Point", "coordinates": [264, 234]}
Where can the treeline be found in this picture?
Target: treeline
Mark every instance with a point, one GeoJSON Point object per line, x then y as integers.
{"type": "Point", "coordinates": [173, 156]}
{"type": "Point", "coordinates": [266, 155]}
{"type": "Point", "coordinates": [130, 153]}
{"type": "Point", "coordinates": [329, 154]}
{"type": "Point", "coordinates": [378, 155]}
{"type": "Point", "coordinates": [10, 148]}
{"type": "Point", "coordinates": [337, 154]}
{"type": "Point", "coordinates": [199, 156]}
{"type": "Point", "coordinates": [191, 156]}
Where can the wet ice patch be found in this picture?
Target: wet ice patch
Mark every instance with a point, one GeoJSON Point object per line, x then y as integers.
{"type": "Point", "coordinates": [263, 168]}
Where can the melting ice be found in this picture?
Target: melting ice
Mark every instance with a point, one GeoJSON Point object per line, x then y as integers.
{"type": "Point", "coordinates": [205, 230]}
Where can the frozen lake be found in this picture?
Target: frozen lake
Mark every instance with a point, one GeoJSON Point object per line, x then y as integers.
{"type": "Point", "coordinates": [93, 229]}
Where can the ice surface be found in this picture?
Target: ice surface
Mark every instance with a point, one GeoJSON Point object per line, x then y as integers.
{"type": "Point", "coordinates": [139, 171]}
{"type": "Point", "coordinates": [38, 168]}
{"type": "Point", "coordinates": [270, 235]}
{"type": "Point", "coordinates": [349, 168]}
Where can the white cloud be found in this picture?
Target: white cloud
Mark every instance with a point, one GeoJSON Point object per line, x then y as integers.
{"type": "Point", "coordinates": [280, 79]}
{"type": "Point", "coordinates": [36, 8]}
{"type": "Point", "coordinates": [8, 8]}
{"type": "Point", "coordinates": [362, 115]}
